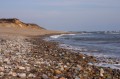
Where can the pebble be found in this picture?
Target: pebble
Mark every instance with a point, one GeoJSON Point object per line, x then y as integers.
{"type": "Point", "coordinates": [57, 72]}
{"type": "Point", "coordinates": [101, 72]}
{"type": "Point", "coordinates": [31, 75]}
{"type": "Point", "coordinates": [13, 73]}
{"type": "Point", "coordinates": [44, 76]}
{"type": "Point", "coordinates": [62, 78]}
{"type": "Point", "coordinates": [62, 68]}
{"type": "Point", "coordinates": [22, 75]}
{"type": "Point", "coordinates": [2, 69]}
{"type": "Point", "coordinates": [1, 74]}
{"type": "Point", "coordinates": [21, 68]}
{"type": "Point", "coordinates": [83, 57]}
{"type": "Point", "coordinates": [6, 61]}
{"type": "Point", "coordinates": [79, 67]}
{"type": "Point", "coordinates": [28, 68]}
{"type": "Point", "coordinates": [77, 78]}
{"type": "Point", "coordinates": [19, 61]}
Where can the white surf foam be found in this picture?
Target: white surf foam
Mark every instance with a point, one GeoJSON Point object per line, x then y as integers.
{"type": "Point", "coordinates": [113, 66]}
{"type": "Point", "coordinates": [57, 36]}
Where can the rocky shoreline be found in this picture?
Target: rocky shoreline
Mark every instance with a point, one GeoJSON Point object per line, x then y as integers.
{"type": "Point", "coordinates": [33, 58]}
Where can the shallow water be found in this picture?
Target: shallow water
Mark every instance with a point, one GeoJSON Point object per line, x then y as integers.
{"type": "Point", "coordinates": [102, 45]}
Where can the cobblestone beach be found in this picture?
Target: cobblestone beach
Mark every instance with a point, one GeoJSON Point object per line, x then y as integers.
{"type": "Point", "coordinates": [24, 57]}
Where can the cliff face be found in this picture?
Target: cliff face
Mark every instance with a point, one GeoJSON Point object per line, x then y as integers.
{"type": "Point", "coordinates": [17, 24]}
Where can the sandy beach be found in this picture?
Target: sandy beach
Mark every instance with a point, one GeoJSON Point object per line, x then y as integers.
{"type": "Point", "coordinates": [25, 55]}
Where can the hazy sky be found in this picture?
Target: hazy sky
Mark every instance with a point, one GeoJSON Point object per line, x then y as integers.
{"type": "Point", "coordinates": [65, 15]}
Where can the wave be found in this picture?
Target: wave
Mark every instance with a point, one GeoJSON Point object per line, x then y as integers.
{"type": "Point", "coordinates": [71, 47]}
{"type": "Point", "coordinates": [97, 55]}
{"type": "Point", "coordinates": [112, 33]}
{"type": "Point", "coordinates": [113, 66]}
{"type": "Point", "coordinates": [85, 33]}
{"type": "Point", "coordinates": [105, 47]}
{"type": "Point", "coordinates": [57, 36]}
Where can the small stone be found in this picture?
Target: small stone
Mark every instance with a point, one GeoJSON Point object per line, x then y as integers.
{"type": "Point", "coordinates": [68, 63]}
{"type": "Point", "coordinates": [22, 75]}
{"type": "Point", "coordinates": [62, 78]}
{"type": "Point", "coordinates": [62, 68]}
{"type": "Point", "coordinates": [21, 68]}
{"type": "Point", "coordinates": [57, 72]}
{"type": "Point", "coordinates": [1, 74]}
{"type": "Point", "coordinates": [28, 68]}
{"type": "Point", "coordinates": [101, 72]}
{"type": "Point", "coordinates": [0, 50]}
{"type": "Point", "coordinates": [38, 62]}
{"type": "Point", "coordinates": [77, 77]}
{"type": "Point", "coordinates": [31, 75]}
{"type": "Point", "coordinates": [6, 61]}
{"type": "Point", "coordinates": [79, 67]}
{"type": "Point", "coordinates": [44, 76]}
{"type": "Point", "coordinates": [55, 77]}
{"type": "Point", "coordinates": [2, 69]}
{"type": "Point", "coordinates": [7, 66]}
{"type": "Point", "coordinates": [83, 57]}
{"type": "Point", "coordinates": [65, 66]}
{"type": "Point", "coordinates": [13, 74]}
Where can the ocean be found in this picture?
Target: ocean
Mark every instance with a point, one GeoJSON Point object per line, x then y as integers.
{"type": "Point", "coordinates": [104, 46]}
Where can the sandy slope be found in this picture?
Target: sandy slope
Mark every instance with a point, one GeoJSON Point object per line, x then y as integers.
{"type": "Point", "coordinates": [25, 31]}
{"type": "Point", "coordinates": [17, 27]}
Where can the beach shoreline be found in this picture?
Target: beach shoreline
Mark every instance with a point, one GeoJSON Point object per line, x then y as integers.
{"type": "Point", "coordinates": [44, 59]}
{"type": "Point", "coordinates": [24, 54]}
{"type": "Point", "coordinates": [67, 41]}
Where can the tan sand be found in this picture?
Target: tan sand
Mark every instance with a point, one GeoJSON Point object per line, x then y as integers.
{"type": "Point", "coordinates": [17, 27]}
{"type": "Point", "coordinates": [25, 31]}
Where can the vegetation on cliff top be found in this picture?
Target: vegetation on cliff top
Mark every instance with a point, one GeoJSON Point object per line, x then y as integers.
{"type": "Point", "coordinates": [17, 23]}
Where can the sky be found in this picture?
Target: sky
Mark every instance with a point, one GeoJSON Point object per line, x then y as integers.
{"type": "Point", "coordinates": [65, 15]}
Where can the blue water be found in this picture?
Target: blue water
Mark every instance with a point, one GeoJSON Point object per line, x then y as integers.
{"type": "Point", "coordinates": [96, 44]}
{"type": "Point", "coordinates": [104, 46]}
{"type": "Point", "coordinates": [92, 43]}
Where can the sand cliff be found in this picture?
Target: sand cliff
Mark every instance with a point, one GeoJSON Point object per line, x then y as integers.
{"type": "Point", "coordinates": [15, 26]}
